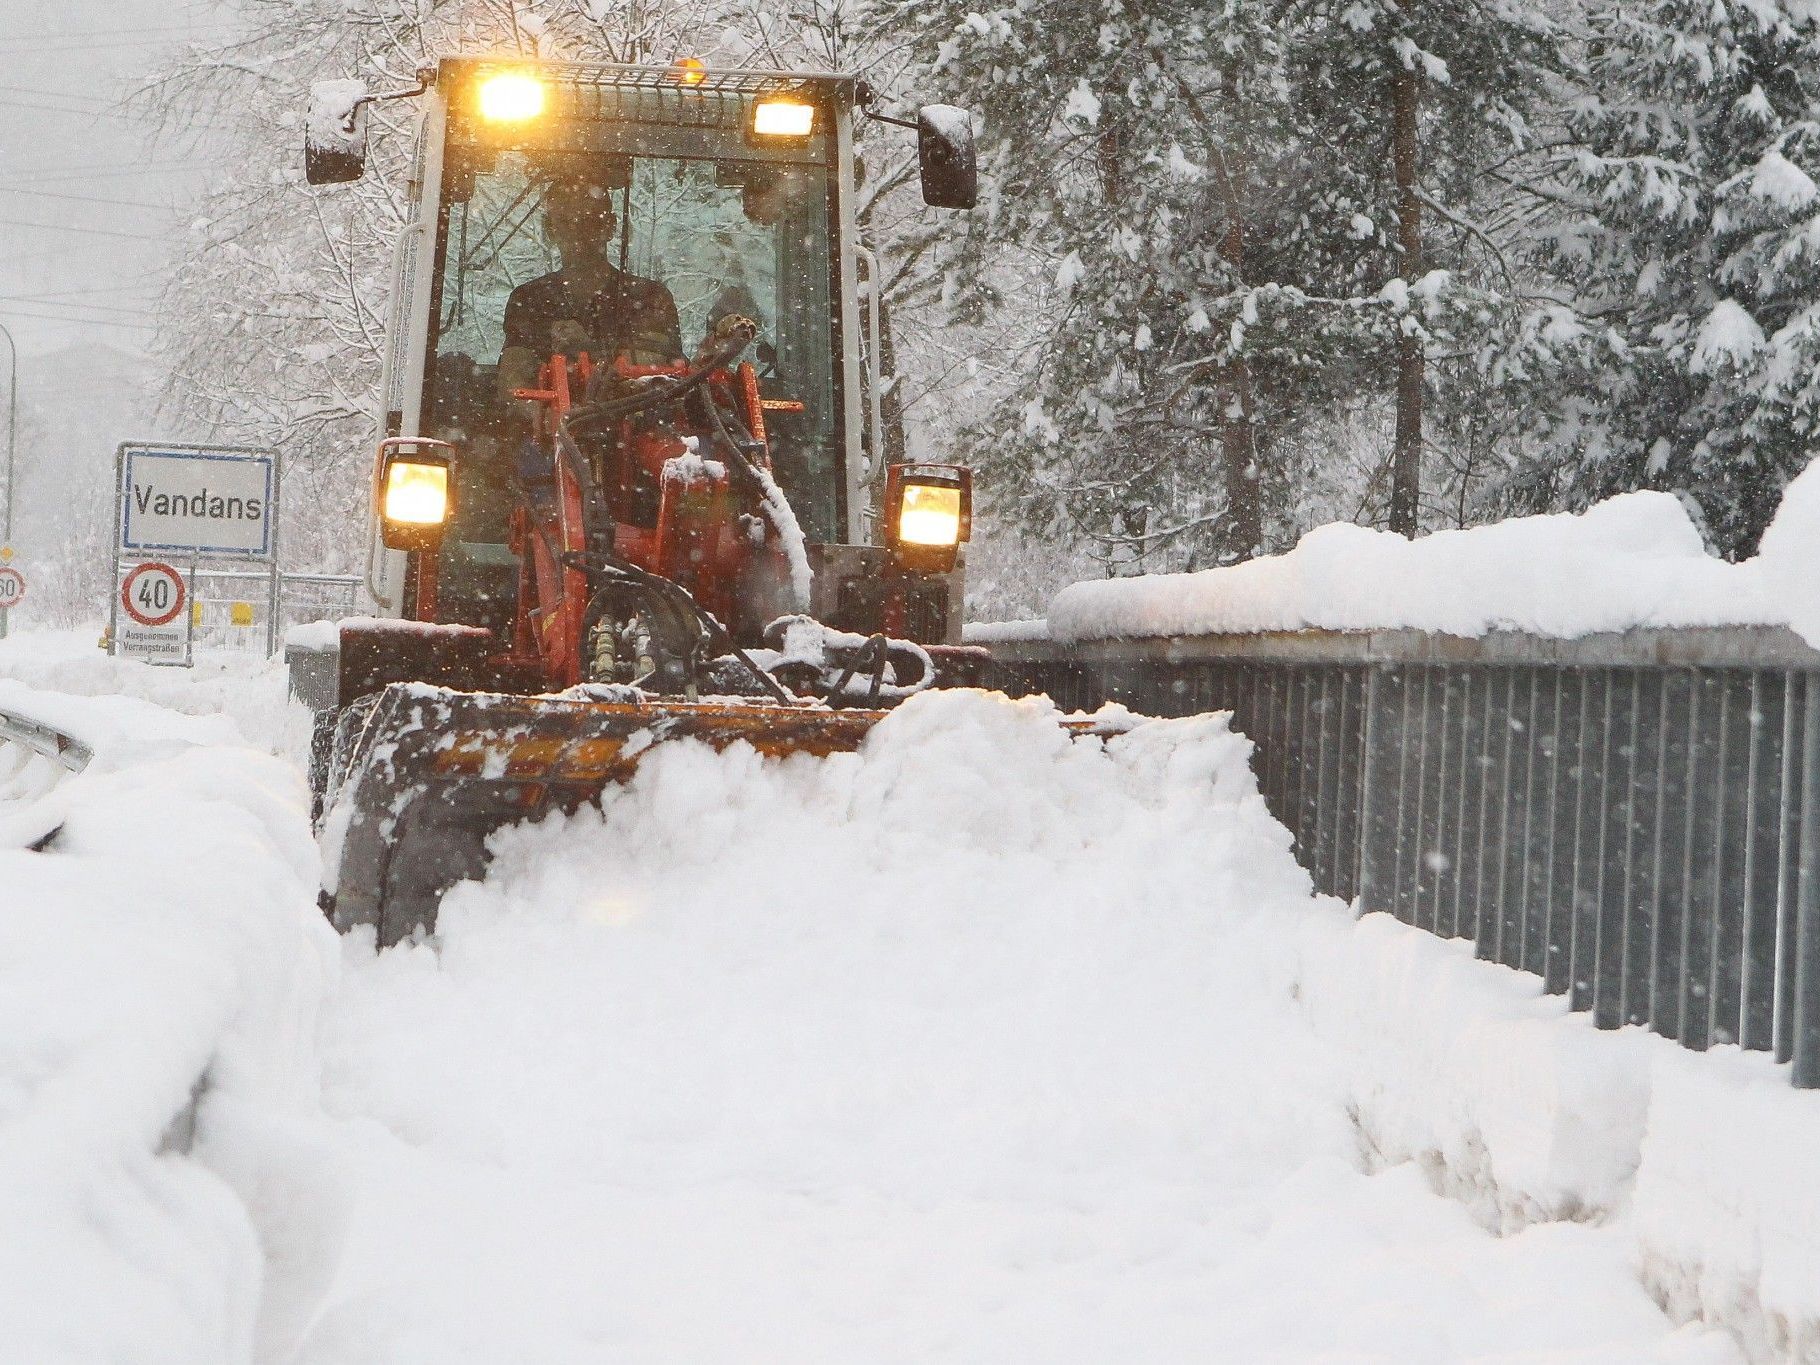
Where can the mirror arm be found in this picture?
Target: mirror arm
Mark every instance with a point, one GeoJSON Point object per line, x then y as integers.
{"type": "Point", "coordinates": [876, 117]}
{"type": "Point", "coordinates": [865, 95]}
{"type": "Point", "coordinates": [425, 74]}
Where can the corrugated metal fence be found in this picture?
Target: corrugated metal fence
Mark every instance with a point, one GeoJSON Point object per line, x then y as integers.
{"type": "Point", "coordinates": [1635, 819]}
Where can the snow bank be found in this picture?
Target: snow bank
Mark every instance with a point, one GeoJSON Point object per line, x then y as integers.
{"type": "Point", "coordinates": [1789, 558]}
{"type": "Point", "coordinates": [1004, 632]}
{"type": "Point", "coordinates": [1727, 1198]}
{"type": "Point", "coordinates": [1635, 560]}
{"type": "Point", "coordinates": [1516, 1107]}
{"type": "Point", "coordinates": [244, 689]}
{"type": "Point", "coordinates": [980, 1043]}
{"type": "Point", "coordinates": [167, 935]}
{"type": "Point", "coordinates": [318, 635]}
{"type": "Point", "coordinates": [1706, 1161]}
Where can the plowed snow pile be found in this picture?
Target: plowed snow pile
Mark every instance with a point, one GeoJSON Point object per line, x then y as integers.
{"type": "Point", "coordinates": [161, 963]}
{"type": "Point", "coordinates": [981, 1044]}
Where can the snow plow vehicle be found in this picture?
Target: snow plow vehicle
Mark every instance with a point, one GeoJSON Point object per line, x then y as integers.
{"type": "Point", "coordinates": [630, 484]}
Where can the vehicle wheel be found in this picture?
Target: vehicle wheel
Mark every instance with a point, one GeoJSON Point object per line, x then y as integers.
{"type": "Point", "coordinates": [322, 744]}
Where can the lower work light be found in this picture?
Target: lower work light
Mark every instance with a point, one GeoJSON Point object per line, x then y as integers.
{"type": "Point", "coordinates": [928, 514]}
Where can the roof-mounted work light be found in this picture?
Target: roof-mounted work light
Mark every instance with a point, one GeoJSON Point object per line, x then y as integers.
{"type": "Point", "coordinates": [511, 97]}
{"type": "Point", "coordinates": [782, 118]}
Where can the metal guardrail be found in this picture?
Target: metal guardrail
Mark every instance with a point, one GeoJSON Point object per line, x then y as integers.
{"type": "Point", "coordinates": [40, 738]}
{"type": "Point", "coordinates": [1633, 818]}
{"type": "Point", "coordinates": [28, 823]}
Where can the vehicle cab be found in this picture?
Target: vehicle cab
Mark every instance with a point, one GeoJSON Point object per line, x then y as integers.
{"type": "Point", "coordinates": [701, 194]}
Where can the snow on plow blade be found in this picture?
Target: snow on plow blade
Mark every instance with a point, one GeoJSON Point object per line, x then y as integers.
{"type": "Point", "coordinates": [432, 773]}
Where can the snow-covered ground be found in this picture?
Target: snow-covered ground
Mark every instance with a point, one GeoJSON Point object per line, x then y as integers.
{"type": "Point", "coordinates": [981, 1044]}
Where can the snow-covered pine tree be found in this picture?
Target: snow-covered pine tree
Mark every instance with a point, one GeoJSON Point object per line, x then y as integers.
{"type": "Point", "coordinates": [1414, 114]}
{"type": "Point", "coordinates": [1137, 152]}
{"type": "Point", "coordinates": [1214, 188]}
{"type": "Point", "coordinates": [1696, 243]}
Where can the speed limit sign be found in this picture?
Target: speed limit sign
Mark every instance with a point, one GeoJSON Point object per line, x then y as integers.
{"type": "Point", "coordinates": [155, 627]}
{"type": "Point", "coordinates": [12, 588]}
{"type": "Point", "coordinates": [153, 594]}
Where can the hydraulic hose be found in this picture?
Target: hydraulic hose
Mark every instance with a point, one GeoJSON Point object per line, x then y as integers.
{"type": "Point", "coordinates": [659, 395]}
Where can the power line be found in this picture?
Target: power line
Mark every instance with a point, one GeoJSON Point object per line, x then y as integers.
{"type": "Point", "coordinates": [92, 322]}
{"type": "Point", "coordinates": [126, 287]}
{"type": "Point", "coordinates": [68, 34]}
{"type": "Point", "coordinates": [98, 232]}
{"type": "Point", "coordinates": [60, 109]}
{"type": "Point", "coordinates": [57, 94]}
{"type": "Point", "coordinates": [110, 170]}
{"type": "Point", "coordinates": [14, 259]}
{"type": "Point", "coordinates": [85, 307]}
{"type": "Point", "coordinates": [89, 199]}
{"type": "Point", "coordinates": [120, 114]}
{"type": "Point", "coordinates": [76, 102]}
{"type": "Point", "coordinates": [145, 37]}
{"type": "Point", "coordinates": [96, 47]}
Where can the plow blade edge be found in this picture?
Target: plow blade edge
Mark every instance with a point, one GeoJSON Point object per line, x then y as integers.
{"type": "Point", "coordinates": [432, 773]}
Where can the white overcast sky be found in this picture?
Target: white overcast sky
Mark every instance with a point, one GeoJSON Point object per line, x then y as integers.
{"type": "Point", "coordinates": [87, 209]}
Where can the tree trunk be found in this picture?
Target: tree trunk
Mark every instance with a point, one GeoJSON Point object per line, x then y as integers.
{"type": "Point", "coordinates": [1244, 511]}
{"type": "Point", "coordinates": [891, 401]}
{"type": "Point", "coordinates": [1244, 508]}
{"type": "Point", "coordinates": [1406, 457]}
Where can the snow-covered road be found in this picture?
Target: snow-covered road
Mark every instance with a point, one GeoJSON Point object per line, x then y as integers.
{"type": "Point", "coordinates": [979, 1045]}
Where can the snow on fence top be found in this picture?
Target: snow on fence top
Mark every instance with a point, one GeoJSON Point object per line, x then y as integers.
{"type": "Point", "coordinates": [1632, 561]}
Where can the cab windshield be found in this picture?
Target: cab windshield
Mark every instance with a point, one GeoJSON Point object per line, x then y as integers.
{"type": "Point", "coordinates": [547, 251]}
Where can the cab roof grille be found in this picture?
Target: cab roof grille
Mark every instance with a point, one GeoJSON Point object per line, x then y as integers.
{"type": "Point", "coordinates": [608, 76]}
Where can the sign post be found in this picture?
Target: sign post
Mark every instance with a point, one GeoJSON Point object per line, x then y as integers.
{"type": "Point", "coordinates": [193, 502]}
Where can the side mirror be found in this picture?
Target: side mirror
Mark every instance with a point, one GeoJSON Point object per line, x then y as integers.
{"type": "Point", "coordinates": [944, 153]}
{"type": "Point", "coordinates": [335, 133]}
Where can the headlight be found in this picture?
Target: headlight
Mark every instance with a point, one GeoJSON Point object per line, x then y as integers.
{"type": "Point", "coordinates": [413, 491]}
{"type": "Point", "coordinates": [416, 494]}
{"type": "Point", "coordinates": [781, 118]}
{"type": "Point", "coordinates": [930, 515]}
{"type": "Point", "coordinates": [511, 97]}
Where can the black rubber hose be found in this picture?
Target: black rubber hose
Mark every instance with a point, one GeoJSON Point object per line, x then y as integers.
{"type": "Point", "coordinates": [658, 395]}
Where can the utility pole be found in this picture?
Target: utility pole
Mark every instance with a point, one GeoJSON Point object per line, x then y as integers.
{"type": "Point", "coordinates": [12, 442]}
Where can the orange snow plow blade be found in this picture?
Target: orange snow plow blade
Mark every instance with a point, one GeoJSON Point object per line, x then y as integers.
{"type": "Point", "coordinates": [429, 774]}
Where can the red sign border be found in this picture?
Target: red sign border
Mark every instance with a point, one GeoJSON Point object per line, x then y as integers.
{"type": "Point", "coordinates": [126, 594]}
{"type": "Point", "coordinates": [23, 585]}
